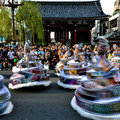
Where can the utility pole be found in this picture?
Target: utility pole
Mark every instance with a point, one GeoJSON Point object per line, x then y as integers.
{"type": "Point", "coordinates": [13, 4]}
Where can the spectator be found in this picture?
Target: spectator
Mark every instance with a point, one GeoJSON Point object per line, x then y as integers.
{"type": "Point", "coordinates": [87, 54]}
{"type": "Point", "coordinates": [6, 64]}
{"type": "Point", "coordinates": [60, 54]}
{"type": "Point", "coordinates": [1, 63]}
{"type": "Point", "coordinates": [11, 57]}
{"type": "Point", "coordinates": [46, 63]}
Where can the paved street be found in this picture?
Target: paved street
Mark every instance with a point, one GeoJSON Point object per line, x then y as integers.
{"type": "Point", "coordinates": [51, 103]}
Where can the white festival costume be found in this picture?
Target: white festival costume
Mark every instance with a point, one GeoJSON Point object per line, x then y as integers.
{"type": "Point", "coordinates": [98, 96]}
{"type": "Point", "coordinates": [28, 74]}
{"type": "Point", "coordinates": [6, 106]}
{"type": "Point", "coordinates": [72, 74]}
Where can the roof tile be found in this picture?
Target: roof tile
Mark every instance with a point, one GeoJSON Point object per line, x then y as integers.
{"type": "Point", "coordinates": [72, 9]}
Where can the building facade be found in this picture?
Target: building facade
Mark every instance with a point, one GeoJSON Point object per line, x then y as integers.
{"type": "Point", "coordinates": [70, 21]}
{"type": "Point", "coordinates": [111, 27]}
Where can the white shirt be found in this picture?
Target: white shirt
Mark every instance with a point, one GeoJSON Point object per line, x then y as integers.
{"type": "Point", "coordinates": [11, 55]}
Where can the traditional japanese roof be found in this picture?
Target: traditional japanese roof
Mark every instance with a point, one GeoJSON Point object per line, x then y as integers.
{"type": "Point", "coordinates": [72, 10]}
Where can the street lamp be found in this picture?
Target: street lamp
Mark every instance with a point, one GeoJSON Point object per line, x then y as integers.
{"type": "Point", "coordinates": [13, 4]}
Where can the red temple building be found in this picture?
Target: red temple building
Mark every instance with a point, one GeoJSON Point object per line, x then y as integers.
{"type": "Point", "coordinates": [70, 20]}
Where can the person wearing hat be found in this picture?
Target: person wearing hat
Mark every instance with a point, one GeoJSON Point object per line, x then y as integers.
{"type": "Point", "coordinates": [100, 61]}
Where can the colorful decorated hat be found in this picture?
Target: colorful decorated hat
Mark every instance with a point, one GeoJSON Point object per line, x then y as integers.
{"type": "Point", "coordinates": [102, 39]}
{"type": "Point", "coordinates": [102, 47]}
{"type": "Point", "coordinates": [102, 44]}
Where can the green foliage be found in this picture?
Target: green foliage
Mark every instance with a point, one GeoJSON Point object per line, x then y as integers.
{"type": "Point", "coordinates": [28, 17]}
{"type": "Point", "coordinates": [5, 23]}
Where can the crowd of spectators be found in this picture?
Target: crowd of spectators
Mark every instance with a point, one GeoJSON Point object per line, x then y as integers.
{"type": "Point", "coordinates": [49, 55]}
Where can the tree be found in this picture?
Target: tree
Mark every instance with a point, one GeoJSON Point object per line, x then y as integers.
{"type": "Point", "coordinates": [28, 17]}
{"type": "Point", "coordinates": [5, 23]}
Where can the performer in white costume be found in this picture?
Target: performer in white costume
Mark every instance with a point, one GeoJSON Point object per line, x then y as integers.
{"type": "Point", "coordinates": [98, 97]}
{"type": "Point", "coordinates": [28, 72]}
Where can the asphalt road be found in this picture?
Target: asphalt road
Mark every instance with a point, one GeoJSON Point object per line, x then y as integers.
{"type": "Point", "coordinates": [40, 103]}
